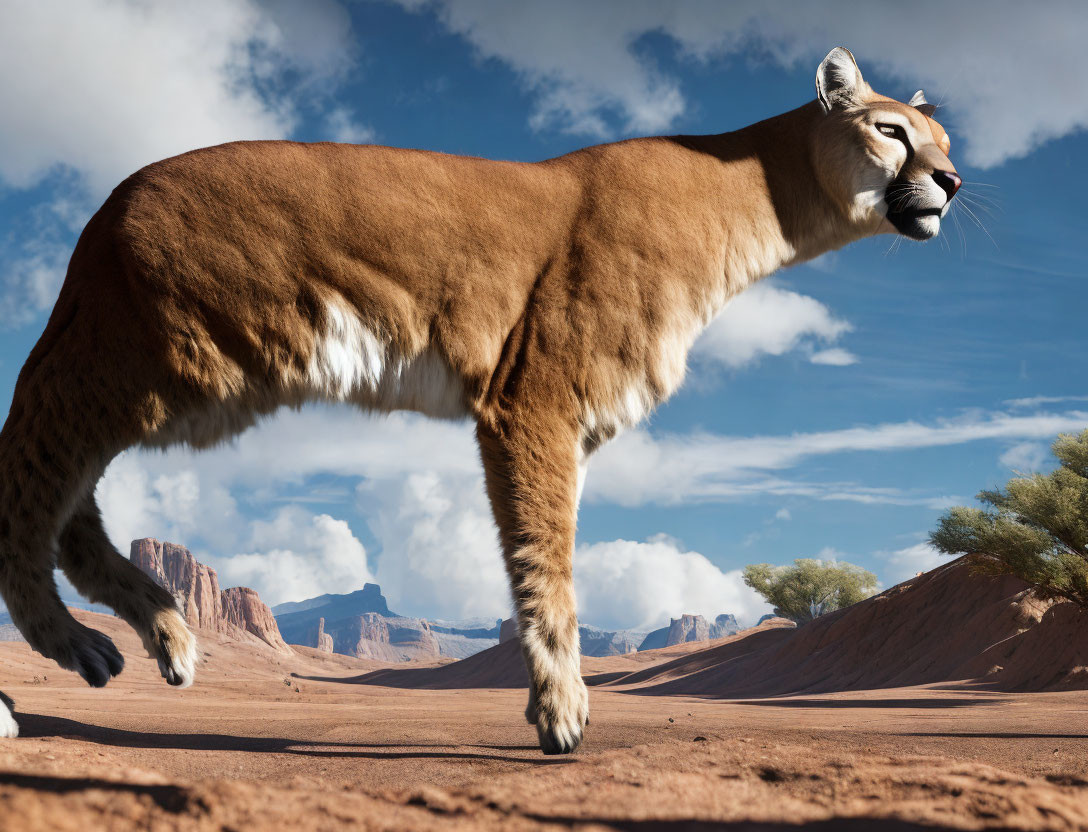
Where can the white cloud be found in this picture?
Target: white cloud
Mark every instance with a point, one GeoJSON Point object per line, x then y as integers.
{"type": "Point", "coordinates": [327, 440]}
{"type": "Point", "coordinates": [427, 508]}
{"type": "Point", "coordinates": [575, 57]}
{"type": "Point", "coordinates": [1033, 402]}
{"type": "Point", "coordinates": [625, 584]}
{"type": "Point", "coordinates": [639, 467]}
{"type": "Point", "coordinates": [1026, 457]}
{"type": "Point", "coordinates": [341, 126]}
{"type": "Point", "coordinates": [984, 60]}
{"type": "Point", "coordinates": [834, 357]}
{"type": "Point", "coordinates": [904, 564]}
{"type": "Point", "coordinates": [109, 86]}
{"type": "Point", "coordinates": [32, 279]}
{"type": "Point", "coordinates": [440, 554]}
{"type": "Point", "coordinates": [135, 503]}
{"type": "Point", "coordinates": [782, 514]}
{"type": "Point", "coordinates": [297, 555]}
{"type": "Point", "coordinates": [104, 87]}
{"type": "Point", "coordinates": [766, 320]}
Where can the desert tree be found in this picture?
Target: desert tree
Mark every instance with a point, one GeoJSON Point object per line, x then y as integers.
{"type": "Point", "coordinates": [810, 587]}
{"type": "Point", "coordinates": [1036, 528]}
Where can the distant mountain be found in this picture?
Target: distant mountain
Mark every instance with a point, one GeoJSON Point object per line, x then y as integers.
{"type": "Point", "coordinates": [724, 625]}
{"type": "Point", "coordinates": [367, 599]}
{"type": "Point", "coordinates": [375, 636]}
{"type": "Point", "coordinates": [655, 639]}
{"type": "Point", "coordinates": [469, 627]}
{"type": "Point", "coordinates": [598, 642]}
{"type": "Point", "coordinates": [690, 628]}
{"type": "Point", "coordinates": [361, 624]}
{"type": "Point", "coordinates": [297, 619]}
{"type": "Point", "coordinates": [458, 646]}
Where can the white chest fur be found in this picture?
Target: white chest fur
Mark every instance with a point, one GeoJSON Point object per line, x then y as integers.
{"type": "Point", "coordinates": [351, 363]}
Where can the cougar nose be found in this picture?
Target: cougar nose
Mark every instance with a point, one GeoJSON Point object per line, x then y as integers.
{"type": "Point", "coordinates": [949, 182]}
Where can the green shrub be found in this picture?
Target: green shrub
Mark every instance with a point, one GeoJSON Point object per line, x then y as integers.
{"type": "Point", "coordinates": [810, 588]}
{"type": "Point", "coordinates": [1035, 529]}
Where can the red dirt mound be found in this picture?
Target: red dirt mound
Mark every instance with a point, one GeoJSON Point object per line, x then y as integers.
{"type": "Point", "coordinates": [497, 667]}
{"type": "Point", "coordinates": [944, 626]}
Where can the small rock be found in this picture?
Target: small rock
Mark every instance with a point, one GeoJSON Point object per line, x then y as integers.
{"type": "Point", "coordinates": [699, 739]}
{"type": "Point", "coordinates": [671, 719]}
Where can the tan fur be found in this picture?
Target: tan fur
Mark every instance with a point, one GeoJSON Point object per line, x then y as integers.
{"type": "Point", "coordinates": [553, 303]}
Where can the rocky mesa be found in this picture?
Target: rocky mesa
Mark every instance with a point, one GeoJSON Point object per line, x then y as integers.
{"type": "Point", "coordinates": [360, 624]}
{"type": "Point", "coordinates": [237, 611]}
{"type": "Point", "coordinates": [689, 628]}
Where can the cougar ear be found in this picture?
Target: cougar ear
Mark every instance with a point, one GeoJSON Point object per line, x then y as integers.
{"type": "Point", "coordinates": [918, 102]}
{"type": "Point", "coordinates": [838, 80]}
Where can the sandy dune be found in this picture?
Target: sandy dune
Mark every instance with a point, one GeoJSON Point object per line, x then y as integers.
{"type": "Point", "coordinates": [361, 745]}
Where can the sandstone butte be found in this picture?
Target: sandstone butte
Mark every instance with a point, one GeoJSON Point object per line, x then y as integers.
{"type": "Point", "coordinates": [238, 611]}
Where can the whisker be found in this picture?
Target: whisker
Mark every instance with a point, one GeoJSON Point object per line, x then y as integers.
{"type": "Point", "coordinates": [963, 237]}
{"type": "Point", "coordinates": [978, 222]}
{"type": "Point", "coordinates": [981, 199]}
{"type": "Point", "coordinates": [989, 197]}
{"type": "Point", "coordinates": [989, 209]}
{"type": "Point", "coordinates": [944, 241]}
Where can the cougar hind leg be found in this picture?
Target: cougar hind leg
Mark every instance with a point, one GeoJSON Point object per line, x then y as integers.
{"type": "Point", "coordinates": [42, 474]}
{"type": "Point", "coordinates": [103, 575]}
{"type": "Point", "coordinates": [28, 589]}
{"type": "Point", "coordinates": [72, 412]}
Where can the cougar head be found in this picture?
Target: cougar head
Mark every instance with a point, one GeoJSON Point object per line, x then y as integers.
{"type": "Point", "coordinates": [884, 162]}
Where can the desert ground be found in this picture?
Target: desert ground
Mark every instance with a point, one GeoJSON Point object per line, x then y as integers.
{"type": "Point", "coordinates": [948, 702]}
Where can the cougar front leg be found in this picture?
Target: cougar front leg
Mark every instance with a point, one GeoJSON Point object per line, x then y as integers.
{"type": "Point", "coordinates": [532, 477]}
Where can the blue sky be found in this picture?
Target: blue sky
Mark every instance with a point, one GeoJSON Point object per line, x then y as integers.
{"type": "Point", "coordinates": [833, 411]}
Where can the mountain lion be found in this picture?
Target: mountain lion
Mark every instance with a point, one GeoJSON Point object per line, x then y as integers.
{"type": "Point", "coordinates": [553, 303]}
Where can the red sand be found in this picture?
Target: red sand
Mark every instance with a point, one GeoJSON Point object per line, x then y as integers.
{"type": "Point", "coordinates": [243, 750]}
{"type": "Point", "coordinates": [943, 626]}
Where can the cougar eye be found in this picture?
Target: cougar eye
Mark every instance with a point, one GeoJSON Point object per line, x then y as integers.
{"type": "Point", "coordinates": [893, 131]}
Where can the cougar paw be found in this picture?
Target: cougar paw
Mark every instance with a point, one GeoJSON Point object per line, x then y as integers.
{"type": "Point", "coordinates": [92, 655]}
{"type": "Point", "coordinates": [561, 716]}
{"type": "Point", "coordinates": [9, 728]}
{"type": "Point", "coordinates": [531, 715]}
{"type": "Point", "coordinates": [173, 646]}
